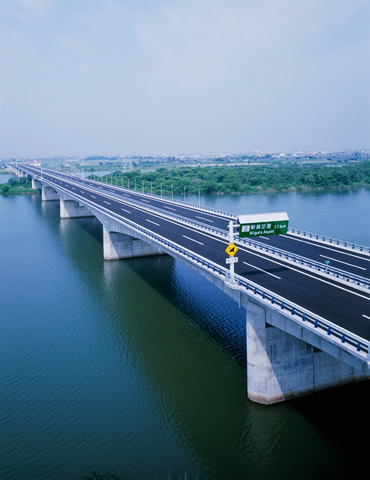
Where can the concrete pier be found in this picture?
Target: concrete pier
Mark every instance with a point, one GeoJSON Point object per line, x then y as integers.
{"type": "Point", "coordinates": [48, 193]}
{"type": "Point", "coordinates": [281, 366]}
{"type": "Point", "coordinates": [72, 209]}
{"type": "Point", "coordinates": [119, 245]}
{"type": "Point", "coordinates": [36, 185]}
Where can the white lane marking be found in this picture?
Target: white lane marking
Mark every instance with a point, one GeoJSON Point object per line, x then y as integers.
{"type": "Point", "coordinates": [305, 273]}
{"type": "Point", "coordinates": [345, 263]}
{"type": "Point", "coordinates": [169, 208]}
{"type": "Point", "coordinates": [265, 238]}
{"type": "Point", "coordinates": [192, 239]}
{"type": "Point", "coordinates": [92, 196]}
{"type": "Point", "coordinates": [202, 218]}
{"type": "Point", "coordinates": [326, 248]}
{"type": "Point", "coordinates": [264, 271]}
{"type": "Point", "coordinates": [152, 222]}
{"type": "Point", "coordinates": [73, 188]}
{"type": "Point", "coordinates": [366, 317]}
{"type": "Point", "coordinates": [107, 202]}
{"type": "Point", "coordinates": [145, 200]}
{"type": "Point", "coordinates": [81, 191]}
{"type": "Point", "coordinates": [128, 211]}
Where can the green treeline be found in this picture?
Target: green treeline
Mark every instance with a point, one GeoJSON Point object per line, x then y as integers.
{"type": "Point", "coordinates": [242, 179]}
{"type": "Point", "coordinates": [22, 185]}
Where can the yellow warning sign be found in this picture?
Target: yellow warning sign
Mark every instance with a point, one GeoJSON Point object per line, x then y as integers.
{"type": "Point", "coordinates": [231, 249]}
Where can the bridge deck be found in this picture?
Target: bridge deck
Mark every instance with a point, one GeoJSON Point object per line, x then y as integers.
{"type": "Point", "coordinates": [343, 305]}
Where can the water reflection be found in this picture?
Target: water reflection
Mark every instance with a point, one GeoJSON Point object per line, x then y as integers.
{"type": "Point", "coordinates": [140, 367]}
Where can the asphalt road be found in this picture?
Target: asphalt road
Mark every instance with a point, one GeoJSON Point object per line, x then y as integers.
{"type": "Point", "coordinates": [343, 305]}
{"type": "Point", "coordinates": [351, 261]}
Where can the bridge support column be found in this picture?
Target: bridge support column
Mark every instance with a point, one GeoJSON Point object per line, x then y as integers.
{"type": "Point", "coordinates": [36, 185]}
{"type": "Point", "coordinates": [72, 209]}
{"type": "Point", "coordinates": [48, 193]}
{"type": "Point", "coordinates": [281, 366]}
{"type": "Point", "coordinates": [120, 245]}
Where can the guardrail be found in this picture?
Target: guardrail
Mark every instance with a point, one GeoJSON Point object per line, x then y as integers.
{"type": "Point", "coordinates": [153, 195]}
{"type": "Point", "coordinates": [318, 267]}
{"type": "Point", "coordinates": [328, 239]}
{"type": "Point", "coordinates": [358, 346]}
{"type": "Point", "coordinates": [334, 272]}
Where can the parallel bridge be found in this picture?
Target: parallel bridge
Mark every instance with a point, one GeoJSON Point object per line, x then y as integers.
{"type": "Point", "coordinates": [308, 323]}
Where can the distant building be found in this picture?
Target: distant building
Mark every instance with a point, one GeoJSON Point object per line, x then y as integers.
{"type": "Point", "coordinates": [34, 163]}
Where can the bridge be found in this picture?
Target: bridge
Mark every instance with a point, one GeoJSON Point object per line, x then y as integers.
{"type": "Point", "coordinates": [308, 320]}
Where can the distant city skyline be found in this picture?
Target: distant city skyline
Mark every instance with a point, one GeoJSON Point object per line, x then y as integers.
{"type": "Point", "coordinates": [117, 77]}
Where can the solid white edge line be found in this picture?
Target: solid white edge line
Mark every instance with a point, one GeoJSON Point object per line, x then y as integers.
{"type": "Point", "coordinates": [326, 248]}
{"type": "Point", "coordinates": [205, 234]}
{"type": "Point", "coordinates": [264, 271]}
{"type": "Point", "coordinates": [345, 263]}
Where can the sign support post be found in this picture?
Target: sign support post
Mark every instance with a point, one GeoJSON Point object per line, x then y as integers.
{"type": "Point", "coordinates": [231, 250]}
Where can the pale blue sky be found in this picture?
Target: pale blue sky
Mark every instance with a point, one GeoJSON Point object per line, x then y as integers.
{"type": "Point", "coordinates": [117, 77]}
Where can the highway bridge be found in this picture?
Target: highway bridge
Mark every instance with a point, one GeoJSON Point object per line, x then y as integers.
{"type": "Point", "coordinates": [307, 297]}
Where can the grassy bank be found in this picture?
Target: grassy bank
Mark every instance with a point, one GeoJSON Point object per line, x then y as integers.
{"type": "Point", "coordinates": [22, 185]}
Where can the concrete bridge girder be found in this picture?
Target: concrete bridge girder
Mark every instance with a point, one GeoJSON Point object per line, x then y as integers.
{"type": "Point", "coordinates": [285, 359]}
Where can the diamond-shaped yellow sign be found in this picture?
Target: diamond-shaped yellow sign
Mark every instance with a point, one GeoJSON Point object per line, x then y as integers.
{"type": "Point", "coordinates": [231, 249]}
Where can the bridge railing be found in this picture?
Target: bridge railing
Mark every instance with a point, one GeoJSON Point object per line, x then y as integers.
{"type": "Point", "coordinates": [329, 240]}
{"type": "Point", "coordinates": [356, 344]}
{"type": "Point", "coordinates": [307, 318]}
{"type": "Point", "coordinates": [318, 323]}
{"type": "Point", "coordinates": [158, 197]}
{"type": "Point", "coordinates": [335, 273]}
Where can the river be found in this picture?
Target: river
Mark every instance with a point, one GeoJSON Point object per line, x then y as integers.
{"type": "Point", "coordinates": [138, 367]}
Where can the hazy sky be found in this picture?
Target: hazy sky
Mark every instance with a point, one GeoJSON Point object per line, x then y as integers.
{"type": "Point", "coordinates": [116, 77]}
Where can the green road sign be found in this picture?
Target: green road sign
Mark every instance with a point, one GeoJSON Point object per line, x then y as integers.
{"type": "Point", "coordinates": [263, 224]}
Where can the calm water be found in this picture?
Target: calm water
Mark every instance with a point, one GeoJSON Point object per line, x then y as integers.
{"type": "Point", "coordinates": [4, 177]}
{"type": "Point", "coordinates": [138, 367]}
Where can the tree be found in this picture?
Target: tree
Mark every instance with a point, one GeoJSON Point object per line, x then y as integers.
{"type": "Point", "coordinates": [12, 182]}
